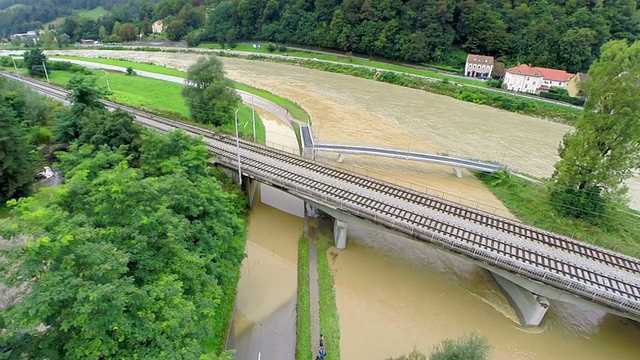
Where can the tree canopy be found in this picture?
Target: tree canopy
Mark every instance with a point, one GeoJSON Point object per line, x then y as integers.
{"type": "Point", "coordinates": [131, 257]}
{"type": "Point", "coordinates": [468, 347]}
{"type": "Point", "coordinates": [209, 94]}
{"type": "Point", "coordinates": [605, 147]}
{"type": "Point", "coordinates": [35, 61]}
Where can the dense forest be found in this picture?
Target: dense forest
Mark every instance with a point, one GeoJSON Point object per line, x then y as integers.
{"type": "Point", "coordinates": [19, 16]}
{"type": "Point", "coordinates": [563, 34]}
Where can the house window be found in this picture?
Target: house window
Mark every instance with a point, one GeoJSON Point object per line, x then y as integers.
{"type": "Point", "coordinates": [534, 83]}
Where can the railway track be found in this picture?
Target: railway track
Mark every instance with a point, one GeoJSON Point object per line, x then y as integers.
{"type": "Point", "coordinates": [308, 172]}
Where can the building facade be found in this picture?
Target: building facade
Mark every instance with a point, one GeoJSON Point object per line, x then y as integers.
{"type": "Point", "coordinates": [523, 78]}
{"type": "Point", "coordinates": [478, 66]}
{"type": "Point", "coordinates": [575, 85]}
{"type": "Point", "coordinates": [554, 78]}
{"type": "Point", "coordinates": [157, 27]}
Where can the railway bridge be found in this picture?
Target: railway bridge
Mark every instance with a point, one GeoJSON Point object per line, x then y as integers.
{"type": "Point", "coordinates": [530, 264]}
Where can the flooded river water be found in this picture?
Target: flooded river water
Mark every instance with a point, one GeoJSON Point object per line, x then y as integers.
{"type": "Point", "coordinates": [393, 293]}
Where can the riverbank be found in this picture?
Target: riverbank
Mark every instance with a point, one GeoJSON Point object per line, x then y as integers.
{"type": "Point", "coordinates": [461, 90]}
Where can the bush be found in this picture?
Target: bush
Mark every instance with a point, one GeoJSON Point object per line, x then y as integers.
{"type": "Point", "coordinates": [469, 347]}
{"type": "Point", "coordinates": [40, 136]}
{"type": "Point", "coordinates": [562, 97]}
{"type": "Point", "coordinates": [282, 48]}
{"type": "Point", "coordinates": [495, 83]}
{"type": "Point", "coordinates": [271, 47]}
{"type": "Point", "coordinates": [587, 203]}
{"type": "Point", "coordinates": [130, 71]}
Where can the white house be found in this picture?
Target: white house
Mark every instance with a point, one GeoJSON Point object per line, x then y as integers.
{"type": "Point", "coordinates": [478, 66]}
{"type": "Point", "coordinates": [523, 78]}
{"type": "Point", "coordinates": [554, 78]}
{"type": "Point", "coordinates": [157, 27]}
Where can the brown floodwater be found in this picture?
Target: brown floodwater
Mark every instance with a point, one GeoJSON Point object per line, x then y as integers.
{"type": "Point", "coordinates": [349, 110]}
{"type": "Point", "coordinates": [393, 293]}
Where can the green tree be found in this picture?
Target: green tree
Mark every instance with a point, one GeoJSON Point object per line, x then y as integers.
{"type": "Point", "coordinates": [35, 62]}
{"type": "Point", "coordinates": [47, 38]}
{"type": "Point", "coordinates": [17, 157]}
{"type": "Point", "coordinates": [209, 94]}
{"type": "Point", "coordinates": [63, 40]}
{"type": "Point", "coordinates": [85, 99]}
{"type": "Point", "coordinates": [469, 347]}
{"type": "Point", "coordinates": [102, 34]}
{"type": "Point", "coordinates": [605, 147]}
{"type": "Point", "coordinates": [124, 264]}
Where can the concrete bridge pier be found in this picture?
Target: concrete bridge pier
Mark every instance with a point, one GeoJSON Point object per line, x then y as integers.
{"type": "Point", "coordinates": [250, 189]}
{"type": "Point", "coordinates": [340, 233]}
{"type": "Point", "coordinates": [458, 172]}
{"type": "Point", "coordinates": [530, 307]}
{"type": "Point", "coordinates": [340, 158]}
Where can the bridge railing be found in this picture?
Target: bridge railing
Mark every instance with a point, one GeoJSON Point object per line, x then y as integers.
{"type": "Point", "coordinates": [586, 291]}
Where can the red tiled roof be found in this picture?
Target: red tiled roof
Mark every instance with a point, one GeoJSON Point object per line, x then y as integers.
{"type": "Point", "coordinates": [555, 74]}
{"type": "Point", "coordinates": [526, 70]}
{"type": "Point", "coordinates": [479, 59]}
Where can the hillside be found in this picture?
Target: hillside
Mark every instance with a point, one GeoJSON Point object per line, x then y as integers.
{"type": "Point", "coordinates": [17, 16]}
{"type": "Point", "coordinates": [553, 33]}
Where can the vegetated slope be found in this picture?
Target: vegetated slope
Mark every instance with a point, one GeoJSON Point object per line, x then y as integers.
{"type": "Point", "coordinates": [18, 16]}
{"type": "Point", "coordinates": [553, 33]}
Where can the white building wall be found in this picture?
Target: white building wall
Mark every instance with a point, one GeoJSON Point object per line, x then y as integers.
{"type": "Point", "coordinates": [474, 70]}
{"type": "Point", "coordinates": [551, 83]}
{"type": "Point", "coordinates": [522, 83]}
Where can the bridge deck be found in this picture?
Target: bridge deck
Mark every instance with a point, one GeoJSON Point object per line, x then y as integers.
{"type": "Point", "coordinates": [602, 276]}
{"type": "Point", "coordinates": [309, 142]}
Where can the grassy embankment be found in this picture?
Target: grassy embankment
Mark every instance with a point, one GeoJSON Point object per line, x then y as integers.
{"type": "Point", "coordinates": [295, 110]}
{"type": "Point", "coordinates": [329, 321]}
{"type": "Point", "coordinates": [164, 100]}
{"type": "Point", "coordinates": [529, 203]}
{"type": "Point", "coordinates": [350, 60]}
{"type": "Point", "coordinates": [303, 305]}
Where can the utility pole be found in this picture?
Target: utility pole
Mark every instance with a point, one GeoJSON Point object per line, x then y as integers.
{"type": "Point", "coordinates": [107, 77]}
{"type": "Point", "coordinates": [15, 67]}
{"type": "Point", "coordinates": [238, 150]}
{"type": "Point", "coordinates": [253, 112]}
{"type": "Point", "coordinates": [46, 73]}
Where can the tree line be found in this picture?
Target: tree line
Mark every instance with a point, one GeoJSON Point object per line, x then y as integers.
{"type": "Point", "coordinates": [553, 33]}
{"type": "Point", "coordinates": [19, 16]}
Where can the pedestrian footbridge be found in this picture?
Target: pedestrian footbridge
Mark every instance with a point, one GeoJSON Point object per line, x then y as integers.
{"type": "Point", "coordinates": [310, 147]}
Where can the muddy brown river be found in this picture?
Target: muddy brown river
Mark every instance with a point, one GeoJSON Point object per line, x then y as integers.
{"type": "Point", "coordinates": [393, 293]}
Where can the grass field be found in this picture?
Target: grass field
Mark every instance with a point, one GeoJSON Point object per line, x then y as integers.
{"type": "Point", "coordinates": [294, 109]}
{"type": "Point", "coordinates": [303, 307]}
{"type": "Point", "coordinates": [351, 60]}
{"type": "Point", "coordinates": [165, 99]}
{"type": "Point", "coordinates": [123, 63]}
{"type": "Point", "coordinates": [329, 321]}
{"type": "Point", "coordinates": [93, 14]}
{"type": "Point", "coordinates": [529, 203]}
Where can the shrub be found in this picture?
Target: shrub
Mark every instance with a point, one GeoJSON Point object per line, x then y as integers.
{"type": "Point", "coordinates": [495, 83]}
{"type": "Point", "coordinates": [130, 71]}
{"type": "Point", "coordinates": [282, 48]}
{"type": "Point", "coordinates": [587, 203]}
{"type": "Point", "coordinates": [271, 47]}
{"type": "Point", "coordinates": [469, 347]}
